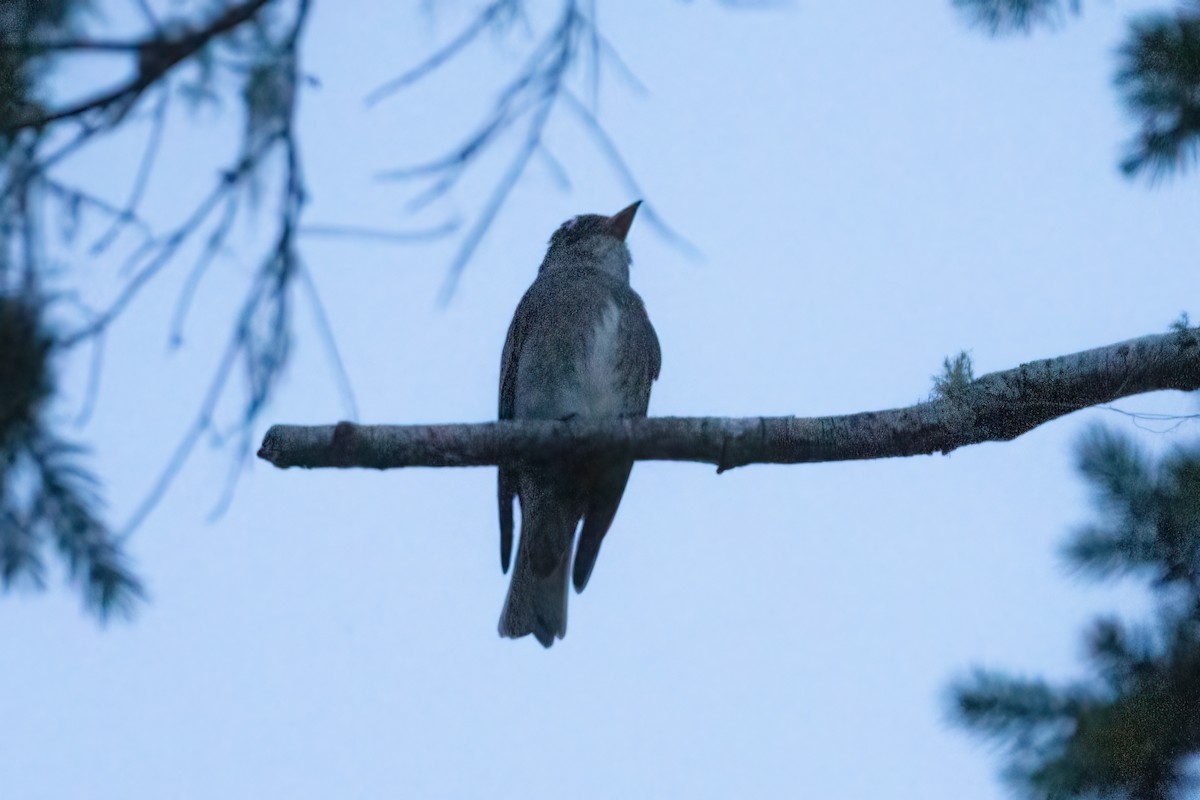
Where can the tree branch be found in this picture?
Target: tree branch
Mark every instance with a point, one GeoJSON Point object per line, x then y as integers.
{"type": "Point", "coordinates": [996, 407]}
{"type": "Point", "coordinates": [156, 57]}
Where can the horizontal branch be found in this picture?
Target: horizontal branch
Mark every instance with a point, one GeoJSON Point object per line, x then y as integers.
{"type": "Point", "coordinates": [996, 407]}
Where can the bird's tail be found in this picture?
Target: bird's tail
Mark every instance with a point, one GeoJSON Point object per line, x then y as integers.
{"type": "Point", "coordinates": [537, 598]}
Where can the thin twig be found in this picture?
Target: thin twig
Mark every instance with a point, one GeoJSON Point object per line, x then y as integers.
{"type": "Point", "coordinates": [211, 247]}
{"type": "Point", "coordinates": [72, 194]}
{"type": "Point", "coordinates": [593, 40]}
{"type": "Point", "coordinates": [92, 390]}
{"type": "Point", "coordinates": [280, 266]}
{"type": "Point", "coordinates": [148, 13]}
{"type": "Point", "coordinates": [330, 341]}
{"type": "Point", "coordinates": [530, 95]}
{"type": "Point", "coordinates": [66, 45]}
{"type": "Point", "coordinates": [330, 230]}
{"type": "Point", "coordinates": [29, 247]}
{"type": "Point", "coordinates": [556, 168]}
{"type": "Point", "coordinates": [140, 179]}
{"type": "Point", "coordinates": [441, 56]}
{"type": "Point", "coordinates": [157, 57]}
{"type": "Point", "coordinates": [168, 247]}
{"type": "Point", "coordinates": [609, 148]}
{"type": "Point", "coordinates": [484, 221]}
{"type": "Point", "coordinates": [187, 443]}
{"type": "Point", "coordinates": [520, 97]}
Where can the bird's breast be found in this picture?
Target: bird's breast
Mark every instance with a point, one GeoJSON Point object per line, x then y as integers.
{"type": "Point", "coordinates": [600, 384]}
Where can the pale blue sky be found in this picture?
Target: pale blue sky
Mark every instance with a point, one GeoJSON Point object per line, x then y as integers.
{"type": "Point", "coordinates": [872, 187]}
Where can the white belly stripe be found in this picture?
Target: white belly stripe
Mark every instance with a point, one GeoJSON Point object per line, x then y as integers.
{"type": "Point", "coordinates": [601, 391]}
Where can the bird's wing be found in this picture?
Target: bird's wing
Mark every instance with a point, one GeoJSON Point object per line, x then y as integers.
{"type": "Point", "coordinates": [507, 481]}
{"type": "Point", "coordinates": [635, 329]}
{"type": "Point", "coordinates": [607, 488]}
{"type": "Point", "coordinates": [633, 314]}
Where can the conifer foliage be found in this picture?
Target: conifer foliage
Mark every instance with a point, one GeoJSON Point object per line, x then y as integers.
{"type": "Point", "coordinates": [1158, 73]}
{"type": "Point", "coordinates": [1132, 730]}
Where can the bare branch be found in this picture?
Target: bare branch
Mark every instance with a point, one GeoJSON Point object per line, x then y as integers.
{"type": "Point", "coordinates": [996, 407]}
{"type": "Point", "coordinates": [330, 341]}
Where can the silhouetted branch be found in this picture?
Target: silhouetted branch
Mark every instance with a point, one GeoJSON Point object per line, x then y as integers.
{"type": "Point", "coordinates": [92, 390]}
{"type": "Point", "coordinates": [996, 407]}
{"type": "Point", "coordinates": [168, 246]}
{"type": "Point", "coordinates": [499, 194]}
{"type": "Point", "coordinates": [216, 238]}
{"type": "Point", "coordinates": [330, 341]}
{"type": "Point", "coordinates": [156, 57]}
{"type": "Point", "coordinates": [72, 196]}
{"type": "Point", "coordinates": [140, 179]}
{"type": "Point", "coordinates": [69, 45]}
{"type": "Point", "coordinates": [261, 336]}
{"type": "Point", "coordinates": [456, 45]}
{"type": "Point", "coordinates": [609, 148]}
{"type": "Point", "coordinates": [147, 13]}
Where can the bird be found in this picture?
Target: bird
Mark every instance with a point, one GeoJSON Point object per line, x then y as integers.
{"type": "Point", "coordinates": [580, 346]}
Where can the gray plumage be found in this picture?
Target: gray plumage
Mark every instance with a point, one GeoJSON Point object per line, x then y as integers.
{"type": "Point", "coordinates": [580, 346]}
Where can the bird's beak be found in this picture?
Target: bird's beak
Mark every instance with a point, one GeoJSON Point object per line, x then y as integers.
{"type": "Point", "coordinates": [619, 222]}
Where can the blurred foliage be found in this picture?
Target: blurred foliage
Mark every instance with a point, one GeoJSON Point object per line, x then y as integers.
{"type": "Point", "coordinates": [1015, 16]}
{"type": "Point", "coordinates": [1133, 729]}
{"type": "Point", "coordinates": [48, 498]}
{"type": "Point", "coordinates": [1158, 73]}
{"type": "Point", "coordinates": [22, 22]}
{"type": "Point", "coordinates": [1159, 78]}
{"type": "Point", "coordinates": [24, 370]}
{"type": "Point", "coordinates": [46, 495]}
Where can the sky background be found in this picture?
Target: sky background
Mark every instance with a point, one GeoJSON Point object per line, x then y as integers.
{"type": "Point", "coordinates": [871, 187]}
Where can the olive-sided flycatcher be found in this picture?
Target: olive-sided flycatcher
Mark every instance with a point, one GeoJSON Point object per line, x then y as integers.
{"type": "Point", "coordinates": [580, 346]}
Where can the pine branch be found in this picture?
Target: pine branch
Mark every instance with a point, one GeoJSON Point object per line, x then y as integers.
{"type": "Point", "coordinates": [996, 407]}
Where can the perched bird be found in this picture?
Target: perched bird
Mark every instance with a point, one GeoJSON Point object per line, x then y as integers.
{"type": "Point", "coordinates": [580, 346]}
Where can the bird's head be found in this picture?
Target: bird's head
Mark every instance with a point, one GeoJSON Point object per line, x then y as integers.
{"type": "Point", "coordinates": [593, 240]}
